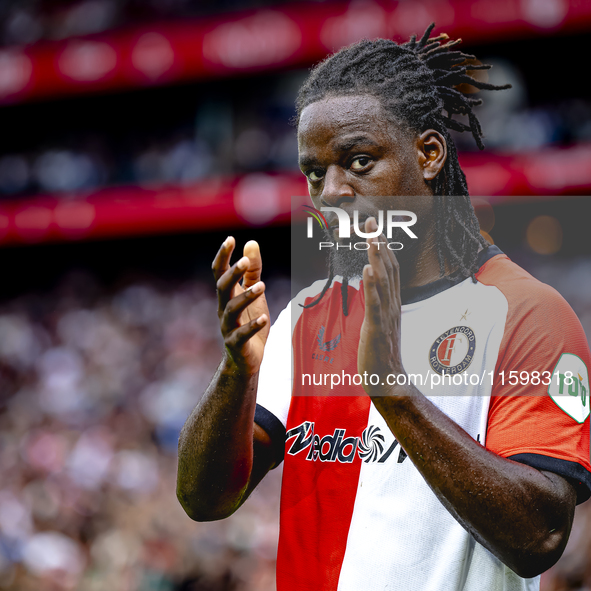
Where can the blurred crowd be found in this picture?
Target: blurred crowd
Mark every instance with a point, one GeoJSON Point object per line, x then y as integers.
{"type": "Point", "coordinates": [240, 127]}
{"type": "Point", "coordinates": [239, 133]}
{"type": "Point", "coordinates": [235, 136]}
{"type": "Point", "coordinates": [95, 387]}
{"type": "Point", "coordinates": [513, 123]}
{"type": "Point", "coordinates": [28, 21]}
{"type": "Point", "coordinates": [219, 136]}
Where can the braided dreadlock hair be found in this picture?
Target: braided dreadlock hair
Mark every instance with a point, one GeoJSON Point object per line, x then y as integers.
{"type": "Point", "coordinates": [416, 83]}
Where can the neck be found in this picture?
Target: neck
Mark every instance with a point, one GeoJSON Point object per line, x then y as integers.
{"type": "Point", "coordinates": [419, 265]}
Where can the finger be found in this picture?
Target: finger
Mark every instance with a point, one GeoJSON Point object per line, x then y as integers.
{"type": "Point", "coordinates": [389, 262]}
{"type": "Point", "coordinates": [237, 338]}
{"type": "Point", "coordinates": [395, 274]}
{"type": "Point", "coordinates": [226, 283]}
{"type": "Point", "coordinates": [376, 260]}
{"type": "Point", "coordinates": [392, 269]}
{"type": "Point", "coordinates": [221, 262]}
{"type": "Point", "coordinates": [235, 307]}
{"type": "Point", "coordinates": [373, 308]}
{"type": "Point", "coordinates": [253, 273]}
{"type": "Point", "coordinates": [387, 258]}
{"type": "Point", "coordinates": [384, 256]}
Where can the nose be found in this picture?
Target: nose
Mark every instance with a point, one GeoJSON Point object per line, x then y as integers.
{"type": "Point", "coordinates": [337, 188]}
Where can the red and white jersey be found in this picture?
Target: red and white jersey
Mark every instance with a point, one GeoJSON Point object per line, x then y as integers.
{"type": "Point", "coordinates": [355, 512]}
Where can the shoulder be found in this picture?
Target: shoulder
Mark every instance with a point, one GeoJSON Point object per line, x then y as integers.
{"type": "Point", "coordinates": [311, 292]}
{"type": "Point", "coordinates": [289, 316]}
{"type": "Point", "coordinates": [320, 297]}
{"type": "Point", "coordinates": [539, 325]}
{"type": "Point", "coordinates": [528, 299]}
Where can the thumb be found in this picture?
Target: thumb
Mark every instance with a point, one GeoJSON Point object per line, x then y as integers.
{"type": "Point", "coordinates": [253, 273]}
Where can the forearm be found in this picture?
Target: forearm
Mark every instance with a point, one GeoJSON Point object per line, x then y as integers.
{"type": "Point", "coordinates": [517, 512]}
{"type": "Point", "coordinates": [216, 445]}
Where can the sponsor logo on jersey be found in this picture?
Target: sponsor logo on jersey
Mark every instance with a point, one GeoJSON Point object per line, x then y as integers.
{"type": "Point", "coordinates": [370, 447]}
{"type": "Point", "coordinates": [325, 346]}
{"type": "Point", "coordinates": [453, 351]}
{"type": "Point", "coordinates": [569, 387]}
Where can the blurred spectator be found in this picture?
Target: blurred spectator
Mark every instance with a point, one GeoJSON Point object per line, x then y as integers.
{"type": "Point", "coordinates": [512, 125]}
{"type": "Point", "coordinates": [232, 127]}
{"type": "Point", "coordinates": [95, 388]}
{"type": "Point", "coordinates": [32, 20]}
{"type": "Point", "coordinates": [231, 136]}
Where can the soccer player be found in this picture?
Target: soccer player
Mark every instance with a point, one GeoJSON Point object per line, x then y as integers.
{"type": "Point", "coordinates": [408, 484]}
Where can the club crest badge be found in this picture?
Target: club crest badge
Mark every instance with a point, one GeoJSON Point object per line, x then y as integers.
{"type": "Point", "coordinates": [453, 351]}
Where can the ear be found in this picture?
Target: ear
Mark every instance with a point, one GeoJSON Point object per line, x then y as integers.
{"type": "Point", "coordinates": [432, 149]}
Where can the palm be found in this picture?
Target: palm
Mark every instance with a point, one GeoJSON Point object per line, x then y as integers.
{"type": "Point", "coordinates": [255, 346]}
{"type": "Point", "coordinates": [242, 309]}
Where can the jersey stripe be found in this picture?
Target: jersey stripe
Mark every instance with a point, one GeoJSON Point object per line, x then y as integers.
{"type": "Point", "coordinates": [316, 492]}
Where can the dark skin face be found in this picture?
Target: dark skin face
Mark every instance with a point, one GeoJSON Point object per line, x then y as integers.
{"type": "Point", "coordinates": [356, 159]}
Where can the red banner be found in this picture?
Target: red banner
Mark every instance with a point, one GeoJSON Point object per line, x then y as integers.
{"type": "Point", "coordinates": [265, 39]}
{"type": "Point", "coordinates": [261, 199]}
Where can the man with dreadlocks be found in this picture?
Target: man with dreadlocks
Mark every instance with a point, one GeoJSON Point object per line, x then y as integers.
{"type": "Point", "coordinates": [397, 485]}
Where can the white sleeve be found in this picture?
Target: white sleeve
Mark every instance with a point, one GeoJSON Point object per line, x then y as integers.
{"type": "Point", "coordinates": [276, 373]}
{"type": "Point", "coordinates": [275, 379]}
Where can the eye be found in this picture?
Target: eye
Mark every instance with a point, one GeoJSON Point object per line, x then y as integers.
{"type": "Point", "coordinates": [360, 163]}
{"type": "Point", "coordinates": [316, 175]}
